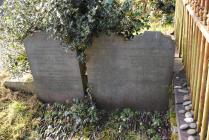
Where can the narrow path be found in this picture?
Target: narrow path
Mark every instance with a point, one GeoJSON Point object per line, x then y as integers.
{"type": "Point", "coordinates": [181, 90]}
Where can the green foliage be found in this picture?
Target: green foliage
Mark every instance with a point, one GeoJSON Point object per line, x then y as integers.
{"type": "Point", "coordinates": [75, 22]}
{"type": "Point", "coordinates": [65, 121]}
{"type": "Point", "coordinates": [16, 113]}
{"type": "Point", "coordinates": [84, 120]}
{"type": "Point", "coordinates": [21, 17]}
{"type": "Point", "coordinates": [163, 10]}
{"type": "Point", "coordinates": [14, 59]}
{"type": "Point", "coordinates": [15, 119]}
{"type": "Point", "coordinates": [23, 117]}
{"type": "Point", "coordinates": [18, 20]}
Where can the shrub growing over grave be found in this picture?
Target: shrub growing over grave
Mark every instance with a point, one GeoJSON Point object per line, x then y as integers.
{"type": "Point", "coordinates": [74, 22]}
{"type": "Point", "coordinates": [17, 20]}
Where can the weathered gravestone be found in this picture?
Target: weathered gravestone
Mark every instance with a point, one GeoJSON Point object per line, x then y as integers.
{"type": "Point", "coordinates": [55, 72]}
{"type": "Point", "coordinates": [133, 73]}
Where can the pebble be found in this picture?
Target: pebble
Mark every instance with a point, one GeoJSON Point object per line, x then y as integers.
{"type": "Point", "coordinates": [183, 91]}
{"type": "Point", "coordinates": [189, 120]}
{"type": "Point", "coordinates": [187, 103]}
{"type": "Point", "coordinates": [193, 125]}
{"type": "Point", "coordinates": [191, 138]}
{"type": "Point", "coordinates": [188, 114]}
{"type": "Point", "coordinates": [187, 108]}
{"type": "Point", "coordinates": [184, 126]}
{"type": "Point", "coordinates": [177, 87]}
{"type": "Point", "coordinates": [49, 127]}
{"type": "Point", "coordinates": [49, 138]}
{"type": "Point", "coordinates": [181, 111]}
{"type": "Point", "coordinates": [186, 98]}
{"type": "Point", "coordinates": [184, 84]}
{"type": "Point", "coordinates": [191, 131]}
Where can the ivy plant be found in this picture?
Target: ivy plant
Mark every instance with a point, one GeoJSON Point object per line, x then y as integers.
{"type": "Point", "coordinates": [77, 22]}
{"type": "Point", "coordinates": [17, 20]}
{"type": "Point", "coordinates": [74, 22]}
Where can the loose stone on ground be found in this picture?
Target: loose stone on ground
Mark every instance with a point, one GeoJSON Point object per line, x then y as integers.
{"type": "Point", "coordinates": [191, 138]}
{"type": "Point", "coordinates": [182, 111]}
{"type": "Point", "coordinates": [184, 85]}
{"type": "Point", "coordinates": [183, 91]}
{"type": "Point", "coordinates": [188, 114]}
{"type": "Point", "coordinates": [191, 131]}
{"type": "Point", "coordinates": [193, 125]}
{"type": "Point", "coordinates": [177, 87]}
{"type": "Point", "coordinates": [186, 98]}
{"type": "Point", "coordinates": [187, 108]}
{"type": "Point", "coordinates": [189, 120]}
{"type": "Point", "coordinates": [187, 103]}
{"type": "Point", "coordinates": [184, 126]}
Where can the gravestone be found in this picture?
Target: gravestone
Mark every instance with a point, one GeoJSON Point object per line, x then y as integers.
{"type": "Point", "coordinates": [134, 73]}
{"type": "Point", "coordinates": [56, 73]}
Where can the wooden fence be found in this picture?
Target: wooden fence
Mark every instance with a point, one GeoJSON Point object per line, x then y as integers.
{"type": "Point", "coordinates": [192, 39]}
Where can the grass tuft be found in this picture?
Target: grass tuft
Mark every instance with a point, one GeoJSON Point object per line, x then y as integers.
{"type": "Point", "coordinates": [16, 112]}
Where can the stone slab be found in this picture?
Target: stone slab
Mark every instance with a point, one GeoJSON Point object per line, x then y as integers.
{"type": "Point", "coordinates": [56, 73]}
{"type": "Point", "coordinates": [134, 73]}
{"type": "Point", "coordinates": [26, 87]}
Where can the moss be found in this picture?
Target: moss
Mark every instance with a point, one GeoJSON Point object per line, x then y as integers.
{"type": "Point", "coordinates": [172, 113]}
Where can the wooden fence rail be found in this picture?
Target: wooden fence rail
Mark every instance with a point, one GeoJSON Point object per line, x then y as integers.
{"type": "Point", "coordinates": [192, 39]}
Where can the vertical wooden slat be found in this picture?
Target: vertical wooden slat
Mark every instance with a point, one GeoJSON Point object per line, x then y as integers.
{"type": "Point", "coordinates": [193, 56]}
{"type": "Point", "coordinates": [203, 85]}
{"type": "Point", "coordinates": [181, 18]}
{"type": "Point", "coordinates": [202, 9]}
{"type": "Point", "coordinates": [195, 52]}
{"type": "Point", "coordinates": [205, 112]}
{"type": "Point", "coordinates": [198, 6]}
{"type": "Point", "coordinates": [183, 32]}
{"type": "Point", "coordinates": [205, 12]}
{"type": "Point", "coordinates": [187, 43]}
{"type": "Point", "coordinates": [188, 46]}
{"type": "Point", "coordinates": [200, 67]}
{"type": "Point", "coordinates": [185, 36]}
{"type": "Point", "coordinates": [196, 67]}
{"type": "Point", "coordinates": [208, 133]}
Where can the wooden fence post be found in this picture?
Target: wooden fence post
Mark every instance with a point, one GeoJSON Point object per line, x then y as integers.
{"type": "Point", "coordinates": [203, 85]}
{"type": "Point", "coordinates": [200, 67]}
{"type": "Point", "coordinates": [194, 57]}
{"type": "Point", "coordinates": [205, 112]}
{"type": "Point", "coordinates": [198, 41]}
{"type": "Point", "coordinates": [208, 133]}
